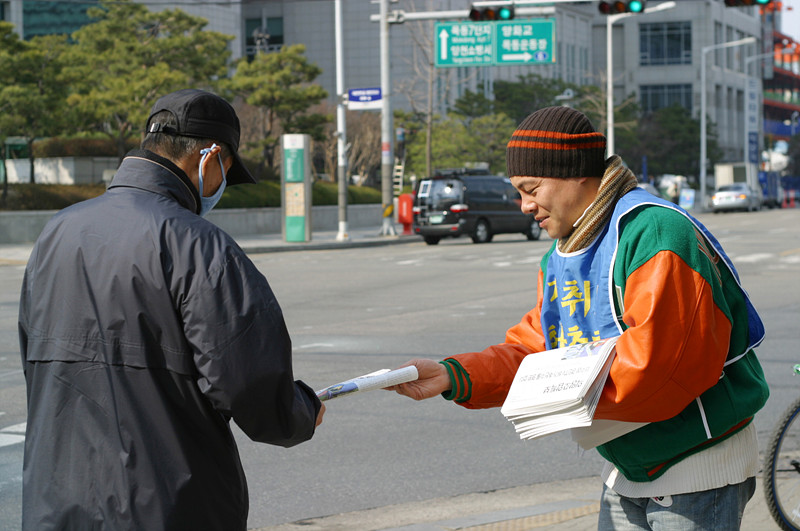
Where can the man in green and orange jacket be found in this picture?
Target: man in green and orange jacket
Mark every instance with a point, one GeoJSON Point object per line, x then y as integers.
{"type": "Point", "coordinates": [630, 265]}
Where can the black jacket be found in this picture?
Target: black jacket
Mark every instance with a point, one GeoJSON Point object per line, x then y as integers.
{"type": "Point", "coordinates": [143, 330]}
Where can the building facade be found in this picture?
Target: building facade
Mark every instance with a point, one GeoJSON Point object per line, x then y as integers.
{"type": "Point", "coordinates": [411, 47]}
{"type": "Point", "coordinates": [656, 56]}
{"type": "Point", "coordinates": [781, 88]}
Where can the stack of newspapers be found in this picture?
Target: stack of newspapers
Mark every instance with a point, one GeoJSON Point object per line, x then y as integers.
{"type": "Point", "coordinates": [559, 389]}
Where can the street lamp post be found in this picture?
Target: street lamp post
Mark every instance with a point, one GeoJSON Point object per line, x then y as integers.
{"type": "Point", "coordinates": [341, 125]}
{"type": "Point", "coordinates": [610, 20]}
{"type": "Point", "coordinates": [387, 155]}
{"type": "Point", "coordinates": [703, 103]}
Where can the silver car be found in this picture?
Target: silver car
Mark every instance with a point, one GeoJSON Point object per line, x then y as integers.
{"type": "Point", "coordinates": [735, 196]}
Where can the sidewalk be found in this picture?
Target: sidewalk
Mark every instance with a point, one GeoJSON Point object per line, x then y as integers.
{"type": "Point", "coordinates": [571, 505]}
{"type": "Point", "coordinates": [322, 240]}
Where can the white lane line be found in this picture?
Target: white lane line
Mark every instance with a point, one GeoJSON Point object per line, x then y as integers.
{"type": "Point", "coordinates": [11, 373]}
{"type": "Point", "coordinates": [314, 345]}
{"type": "Point", "coordinates": [11, 435]}
{"type": "Point", "coordinates": [752, 258]}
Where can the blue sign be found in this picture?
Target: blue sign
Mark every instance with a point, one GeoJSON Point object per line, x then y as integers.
{"type": "Point", "coordinates": [752, 147]}
{"type": "Point", "coordinates": [364, 98]}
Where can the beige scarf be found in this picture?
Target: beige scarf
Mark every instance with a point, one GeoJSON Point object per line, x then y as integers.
{"type": "Point", "coordinates": [617, 181]}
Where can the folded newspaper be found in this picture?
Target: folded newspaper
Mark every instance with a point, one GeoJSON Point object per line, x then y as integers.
{"type": "Point", "coordinates": [374, 380]}
{"type": "Point", "coordinates": [559, 389]}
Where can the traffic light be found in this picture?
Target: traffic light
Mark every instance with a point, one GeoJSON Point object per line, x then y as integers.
{"type": "Point", "coordinates": [491, 13]}
{"type": "Point", "coordinates": [745, 3]}
{"type": "Point", "coordinates": [612, 8]}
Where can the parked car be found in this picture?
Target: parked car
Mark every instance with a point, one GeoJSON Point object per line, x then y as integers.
{"type": "Point", "coordinates": [460, 202]}
{"type": "Point", "coordinates": [735, 196]}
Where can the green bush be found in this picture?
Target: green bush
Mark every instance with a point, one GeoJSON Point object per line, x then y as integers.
{"type": "Point", "coordinates": [327, 193]}
{"type": "Point", "coordinates": [49, 196]}
{"type": "Point", "coordinates": [259, 195]}
{"type": "Point", "coordinates": [80, 147]}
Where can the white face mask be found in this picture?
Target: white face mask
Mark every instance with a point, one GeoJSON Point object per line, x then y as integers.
{"type": "Point", "coordinates": [207, 203]}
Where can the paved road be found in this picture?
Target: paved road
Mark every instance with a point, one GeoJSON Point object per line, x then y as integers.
{"type": "Point", "coordinates": [770, 271]}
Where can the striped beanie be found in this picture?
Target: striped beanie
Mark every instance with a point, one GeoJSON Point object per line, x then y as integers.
{"type": "Point", "coordinates": [556, 142]}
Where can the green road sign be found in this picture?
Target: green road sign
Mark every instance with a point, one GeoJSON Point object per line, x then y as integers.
{"type": "Point", "coordinates": [464, 43]}
{"type": "Point", "coordinates": [525, 42]}
{"type": "Point", "coordinates": [495, 43]}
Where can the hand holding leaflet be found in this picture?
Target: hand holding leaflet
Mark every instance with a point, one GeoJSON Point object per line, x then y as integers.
{"type": "Point", "coordinates": [374, 380]}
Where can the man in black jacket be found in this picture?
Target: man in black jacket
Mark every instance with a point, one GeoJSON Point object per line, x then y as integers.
{"type": "Point", "coordinates": [143, 330]}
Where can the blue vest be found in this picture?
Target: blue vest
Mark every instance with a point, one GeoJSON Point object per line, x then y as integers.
{"type": "Point", "coordinates": [578, 303]}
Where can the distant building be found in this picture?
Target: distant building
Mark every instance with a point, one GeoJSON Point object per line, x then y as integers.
{"type": "Point", "coordinates": [656, 56]}
{"type": "Point", "coordinates": [782, 90]}
{"type": "Point", "coordinates": [34, 17]}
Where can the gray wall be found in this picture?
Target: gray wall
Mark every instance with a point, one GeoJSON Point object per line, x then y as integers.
{"type": "Point", "coordinates": [25, 226]}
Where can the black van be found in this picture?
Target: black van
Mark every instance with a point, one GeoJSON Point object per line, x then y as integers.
{"type": "Point", "coordinates": [457, 202]}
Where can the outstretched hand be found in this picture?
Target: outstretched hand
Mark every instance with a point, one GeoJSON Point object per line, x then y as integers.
{"type": "Point", "coordinates": [433, 380]}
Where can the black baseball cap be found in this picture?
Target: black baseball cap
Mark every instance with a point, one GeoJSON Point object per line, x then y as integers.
{"type": "Point", "coordinates": [205, 115]}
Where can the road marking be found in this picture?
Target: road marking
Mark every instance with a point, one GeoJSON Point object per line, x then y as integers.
{"type": "Point", "coordinates": [11, 435]}
{"type": "Point", "coordinates": [314, 345]}
{"type": "Point", "coordinates": [752, 258]}
{"type": "Point", "coordinates": [13, 372]}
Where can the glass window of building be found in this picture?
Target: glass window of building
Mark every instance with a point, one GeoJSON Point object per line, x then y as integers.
{"type": "Point", "coordinates": [665, 43]}
{"type": "Point", "coordinates": [265, 34]}
{"type": "Point", "coordinates": [53, 18]}
{"type": "Point", "coordinates": [654, 97]}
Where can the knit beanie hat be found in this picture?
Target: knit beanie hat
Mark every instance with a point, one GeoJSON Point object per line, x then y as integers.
{"type": "Point", "coordinates": [556, 142]}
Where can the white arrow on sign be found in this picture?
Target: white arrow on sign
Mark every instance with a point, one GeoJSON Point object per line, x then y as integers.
{"type": "Point", "coordinates": [443, 36]}
{"type": "Point", "coordinates": [517, 57]}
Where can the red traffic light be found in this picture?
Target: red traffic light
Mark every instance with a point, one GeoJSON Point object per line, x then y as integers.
{"type": "Point", "coordinates": [491, 13]}
{"type": "Point", "coordinates": [612, 8]}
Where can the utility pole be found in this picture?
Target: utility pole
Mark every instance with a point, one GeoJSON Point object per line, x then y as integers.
{"type": "Point", "coordinates": [610, 69]}
{"type": "Point", "coordinates": [387, 155]}
{"type": "Point", "coordinates": [341, 127]}
{"type": "Point", "coordinates": [384, 18]}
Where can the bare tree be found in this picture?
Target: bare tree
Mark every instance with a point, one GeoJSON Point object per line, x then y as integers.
{"type": "Point", "coordinates": [364, 139]}
{"type": "Point", "coordinates": [592, 100]}
{"type": "Point", "coordinates": [363, 145]}
{"type": "Point", "coordinates": [423, 65]}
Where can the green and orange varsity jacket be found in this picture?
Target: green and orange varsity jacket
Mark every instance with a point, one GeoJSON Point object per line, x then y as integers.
{"type": "Point", "coordinates": [685, 362]}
